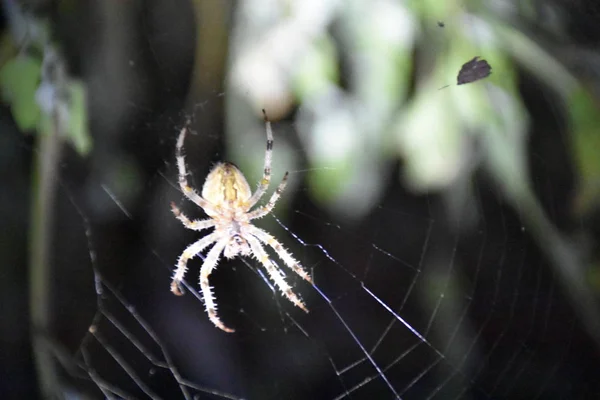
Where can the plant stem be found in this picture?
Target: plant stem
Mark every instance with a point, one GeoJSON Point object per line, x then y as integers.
{"type": "Point", "coordinates": [44, 183]}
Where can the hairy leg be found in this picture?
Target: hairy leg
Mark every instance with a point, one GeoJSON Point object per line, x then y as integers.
{"type": "Point", "coordinates": [210, 263]}
{"type": "Point", "coordinates": [267, 208]}
{"type": "Point", "coordinates": [274, 273]}
{"type": "Point", "coordinates": [197, 224]}
{"type": "Point", "coordinates": [191, 251]}
{"type": "Point", "coordinates": [266, 179]}
{"type": "Point", "coordinates": [187, 190]}
{"type": "Point", "coordinates": [285, 255]}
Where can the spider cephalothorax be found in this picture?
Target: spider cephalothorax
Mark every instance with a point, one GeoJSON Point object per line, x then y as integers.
{"type": "Point", "coordinates": [227, 199]}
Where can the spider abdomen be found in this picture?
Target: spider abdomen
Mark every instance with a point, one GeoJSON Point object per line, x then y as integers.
{"type": "Point", "coordinates": [226, 187]}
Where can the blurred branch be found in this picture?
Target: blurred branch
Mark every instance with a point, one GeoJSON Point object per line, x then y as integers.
{"type": "Point", "coordinates": [43, 98]}
{"type": "Point", "coordinates": [210, 54]}
{"type": "Point", "coordinates": [44, 190]}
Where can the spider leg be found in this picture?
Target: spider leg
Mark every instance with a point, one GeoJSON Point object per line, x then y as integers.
{"type": "Point", "coordinates": [266, 179]}
{"type": "Point", "coordinates": [196, 225]}
{"type": "Point", "coordinates": [209, 300]}
{"type": "Point", "coordinates": [191, 251]}
{"type": "Point", "coordinates": [187, 190]}
{"type": "Point", "coordinates": [260, 254]}
{"type": "Point", "coordinates": [267, 208]}
{"type": "Point", "coordinates": [285, 255]}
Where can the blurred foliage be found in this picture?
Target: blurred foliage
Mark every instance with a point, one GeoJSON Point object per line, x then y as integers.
{"type": "Point", "coordinates": [72, 112]}
{"type": "Point", "coordinates": [34, 82]}
{"type": "Point", "coordinates": [364, 82]}
{"type": "Point", "coordinates": [585, 121]}
{"type": "Point", "coordinates": [352, 128]}
{"type": "Point", "coordinates": [45, 99]}
{"type": "Point", "coordinates": [19, 79]}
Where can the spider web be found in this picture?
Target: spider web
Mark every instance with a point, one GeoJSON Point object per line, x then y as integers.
{"type": "Point", "coordinates": [414, 302]}
{"type": "Point", "coordinates": [406, 306]}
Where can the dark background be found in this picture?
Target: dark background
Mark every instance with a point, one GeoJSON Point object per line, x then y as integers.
{"type": "Point", "coordinates": [540, 346]}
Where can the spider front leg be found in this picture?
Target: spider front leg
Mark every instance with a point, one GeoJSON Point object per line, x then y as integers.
{"type": "Point", "coordinates": [267, 208]}
{"type": "Point", "coordinates": [207, 267]}
{"type": "Point", "coordinates": [261, 255]}
{"type": "Point", "coordinates": [191, 251]}
{"type": "Point", "coordinates": [266, 179]}
{"type": "Point", "coordinates": [196, 225]}
{"type": "Point", "coordinates": [181, 168]}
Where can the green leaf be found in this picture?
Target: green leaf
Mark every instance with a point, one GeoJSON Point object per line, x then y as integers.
{"type": "Point", "coordinates": [19, 80]}
{"type": "Point", "coordinates": [78, 132]}
{"type": "Point", "coordinates": [317, 70]}
{"type": "Point", "coordinates": [327, 181]}
{"type": "Point", "coordinates": [585, 121]}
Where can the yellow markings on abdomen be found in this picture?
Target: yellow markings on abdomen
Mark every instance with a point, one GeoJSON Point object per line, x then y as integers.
{"type": "Point", "coordinates": [226, 186]}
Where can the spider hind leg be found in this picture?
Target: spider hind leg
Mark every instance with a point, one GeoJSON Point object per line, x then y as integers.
{"type": "Point", "coordinates": [274, 273]}
{"type": "Point", "coordinates": [191, 251]}
{"type": "Point", "coordinates": [209, 264]}
{"type": "Point", "coordinates": [281, 251]}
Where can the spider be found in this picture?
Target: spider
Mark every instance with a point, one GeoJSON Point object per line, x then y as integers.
{"type": "Point", "coordinates": [227, 199]}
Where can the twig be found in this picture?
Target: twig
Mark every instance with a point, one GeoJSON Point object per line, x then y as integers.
{"type": "Point", "coordinates": [40, 296]}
